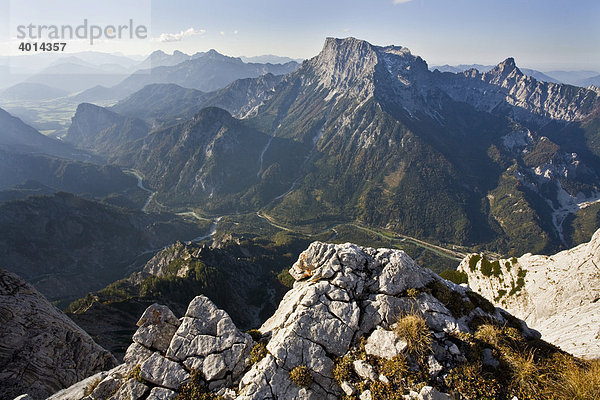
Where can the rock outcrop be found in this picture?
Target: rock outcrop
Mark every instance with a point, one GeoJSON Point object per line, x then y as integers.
{"type": "Point", "coordinates": [164, 352]}
{"type": "Point", "coordinates": [557, 295]}
{"type": "Point", "coordinates": [346, 300]}
{"type": "Point", "coordinates": [41, 349]}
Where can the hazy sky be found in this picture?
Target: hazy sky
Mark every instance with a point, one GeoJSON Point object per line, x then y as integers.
{"type": "Point", "coordinates": [543, 34]}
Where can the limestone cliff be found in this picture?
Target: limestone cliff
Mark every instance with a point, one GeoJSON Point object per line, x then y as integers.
{"type": "Point", "coordinates": [557, 295]}
{"type": "Point", "coordinates": [41, 349]}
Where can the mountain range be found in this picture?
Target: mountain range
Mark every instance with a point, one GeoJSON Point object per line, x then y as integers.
{"type": "Point", "coordinates": [576, 78]}
{"type": "Point", "coordinates": [367, 133]}
{"type": "Point", "coordinates": [204, 71]}
{"type": "Point", "coordinates": [68, 246]}
{"type": "Point", "coordinates": [20, 137]}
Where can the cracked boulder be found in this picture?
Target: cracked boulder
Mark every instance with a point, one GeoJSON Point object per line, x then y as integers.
{"type": "Point", "coordinates": [207, 340]}
{"type": "Point", "coordinates": [157, 325]}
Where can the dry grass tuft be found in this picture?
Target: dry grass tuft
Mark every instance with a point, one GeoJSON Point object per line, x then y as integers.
{"type": "Point", "coordinates": [574, 379]}
{"type": "Point", "coordinates": [413, 329]}
{"type": "Point", "coordinates": [490, 334]}
{"type": "Point", "coordinates": [526, 375]}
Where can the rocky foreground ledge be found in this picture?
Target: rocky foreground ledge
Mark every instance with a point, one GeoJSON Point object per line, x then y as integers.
{"type": "Point", "coordinates": [347, 328]}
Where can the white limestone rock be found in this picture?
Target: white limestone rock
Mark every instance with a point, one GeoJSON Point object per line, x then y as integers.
{"type": "Point", "coordinates": [106, 387]}
{"type": "Point", "coordinates": [137, 354]}
{"type": "Point", "coordinates": [208, 337]}
{"type": "Point", "coordinates": [366, 395]}
{"type": "Point", "coordinates": [430, 393]}
{"type": "Point", "coordinates": [339, 296]}
{"type": "Point", "coordinates": [161, 394]}
{"type": "Point", "coordinates": [163, 372]}
{"type": "Point", "coordinates": [131, 390]}
{"type": "Point", "coordinates": [41, 349]}
{"type": "Point", "coordinates": [337, 299]}
{"type": "Point", "coordinates": [385, 344]}
{"type": "Point", "coordinates": [365, 370]}
{"type": "Point", "coordinates": [157, 325]}
{"type": "Point", "coordinates": [557, 295]}
{"type": "Point", "coordinates": [348, 388]}
{"type": "Point", "coordinates": [434, 366]}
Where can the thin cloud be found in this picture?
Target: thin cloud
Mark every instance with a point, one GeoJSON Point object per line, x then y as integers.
{"type": "Point", "coordinates": [401, 1]}
{"type": "Point", "coordinates": [177, 37]}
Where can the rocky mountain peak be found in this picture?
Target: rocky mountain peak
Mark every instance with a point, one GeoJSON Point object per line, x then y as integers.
{"type": "Point", "coordinates": [506, 70]}
{"type": "Point", "coordinates": [345, 65]}
{"type": "Point", "coordinates": [348, 66]}
{"type": "Point", "coordinates": [507, 65]}
{"type": "Point", "coordinates": [212, 54]}
{"type": "Point", "coordinates": [158, 53]}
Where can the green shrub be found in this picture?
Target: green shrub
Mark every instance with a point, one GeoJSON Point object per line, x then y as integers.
{"type": "Point", "coordinates": [135, 373]}
{"type": "Point", "coordinates": [489, 334]}
{"type": "Point", "coordinates": [258, 352]}
{"type": "Point", "coordinates": [516, 288]}
{"type": "Point", "coordinates": [472, 382]}
{"type": "Point", "coordinates": [255, 334]}
{"type": "Point", "coordinates": [395, 369]}
{"type": "Point", "coordinates": [343, 369]}
{"type": "Point", "coordinates": [453, 300]}
{"type": "Point", "coordinates": [455, 276]}
{"type": "Point", "coordinates": [196, 389]}
{"type": "Point", "coordinates": [486, 267]}
{"type": "Point", "coordinates": [301, 376]}
{"type": "Point", "coordinates": [382, 391]}
{"type": "Point", "coordinates": [473, 262]}
{"type": "Point", "coordinates": [286, 279]}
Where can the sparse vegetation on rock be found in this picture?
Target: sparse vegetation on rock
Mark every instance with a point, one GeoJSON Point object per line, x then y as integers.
{"type": "Point", "coordinates": [301, 376]}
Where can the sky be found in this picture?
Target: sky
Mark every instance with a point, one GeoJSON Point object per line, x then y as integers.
{"type": "Point", "coordinates": [541, 34]}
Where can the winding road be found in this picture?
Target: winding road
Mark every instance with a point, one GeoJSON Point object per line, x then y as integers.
{"type": "Point", "coordinates": [442, 251]}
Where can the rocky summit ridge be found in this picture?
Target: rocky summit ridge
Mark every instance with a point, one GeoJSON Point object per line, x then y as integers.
{"type": "Point", "coordinates": [335, 333]}
{"type": "Point", "coordinates": [356, 68]}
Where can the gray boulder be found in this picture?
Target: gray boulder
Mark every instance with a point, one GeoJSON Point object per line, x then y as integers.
{"type": "Point", "coordinates": [41, 350]}
{"type": "Point", "coordinates": [209, 341]}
